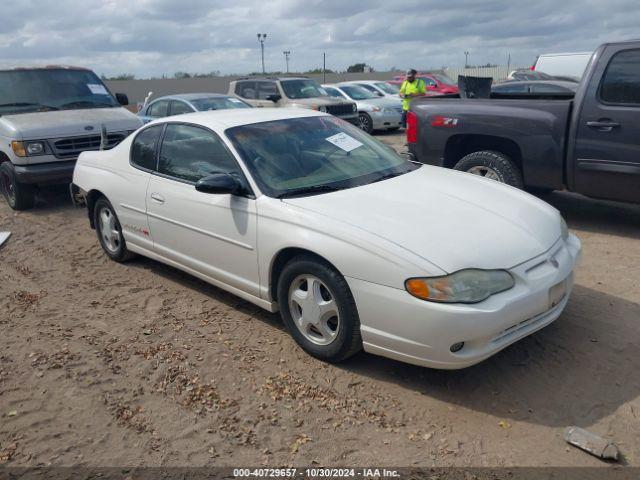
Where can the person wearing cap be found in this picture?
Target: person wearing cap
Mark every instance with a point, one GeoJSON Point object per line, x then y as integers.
{"type": "Point", "coordinates": [411, 87]}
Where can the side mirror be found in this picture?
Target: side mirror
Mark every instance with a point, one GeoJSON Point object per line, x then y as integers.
{"type": "Point", "coordinates": [274, 98]}
{"type": "Point", "coordinates": [219, 183]}
{"type": "Point", "coordinates": [122, 99]}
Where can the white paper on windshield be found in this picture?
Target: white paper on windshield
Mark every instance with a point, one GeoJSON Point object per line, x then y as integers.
{"type": "Point", "coordinates": [97, 89]}
{"type": "Point", "coordinates": [344, 142]}
{"type": "Point", "coordinates": [235, 100]}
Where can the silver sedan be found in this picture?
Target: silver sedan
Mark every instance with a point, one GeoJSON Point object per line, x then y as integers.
{"type": "Point", "coordinates": [375, 113]}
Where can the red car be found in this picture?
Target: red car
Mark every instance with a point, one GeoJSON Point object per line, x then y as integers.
{"type": "Point", "coordinates": [436, 83]}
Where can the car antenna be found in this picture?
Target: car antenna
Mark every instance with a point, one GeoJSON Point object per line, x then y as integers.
{"type": "Point", "coordinates": [104, 141]}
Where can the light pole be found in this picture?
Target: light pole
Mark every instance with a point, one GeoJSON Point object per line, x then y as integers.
{"type": "Point", "coordinates": [286, 54]}
{"type": "Point", "coordinates": [466, 59]}
{"type": "Point", "coordinates": [261, 38]}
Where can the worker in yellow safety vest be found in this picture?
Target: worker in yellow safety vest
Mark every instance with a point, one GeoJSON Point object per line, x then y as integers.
{"type": "Point", "coordinates": [411, 87]}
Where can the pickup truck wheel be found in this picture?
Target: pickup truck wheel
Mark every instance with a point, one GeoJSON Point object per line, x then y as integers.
{"type": "Point", "coordinates": [110, 232]}
{"type": "Point", "coordinates": [493, 165]}
{"type": "Point", "coordinates": [366, 123]}
{"type": "Point", "coordinates": [318, 309]}
{"type": "Point", "coordinates": [20, 196]}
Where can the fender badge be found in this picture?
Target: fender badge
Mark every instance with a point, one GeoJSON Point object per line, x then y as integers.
{"type": "Point", "coordinates": [88, 128]}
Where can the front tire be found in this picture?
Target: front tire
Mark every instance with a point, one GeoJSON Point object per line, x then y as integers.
{"type": "Point", "coordinates": [318, 309]}
{"type": "Point", "coordinates": [493, 165]}
{"type": "Point", "coordinates": [366, 123]}
{"type": "Point", "coordinates": [110, 232]}
{"type": "Point", "coordinates": [19, 196]}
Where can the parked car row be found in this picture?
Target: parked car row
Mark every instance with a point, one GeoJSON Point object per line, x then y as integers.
{"type": "Point", "coordinates": [267, 203]}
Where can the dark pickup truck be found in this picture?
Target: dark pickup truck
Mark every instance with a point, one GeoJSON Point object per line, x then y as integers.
{"type": "Point", "coordinates": [588, 143]}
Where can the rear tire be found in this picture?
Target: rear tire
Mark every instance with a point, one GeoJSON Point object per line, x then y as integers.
{"type": "Point", "coordinates": [492, 164]}
{"type": "Point", "coordinates": [109, 231]}
{"type": "Point", "coordinates": [318, 309]}
{"type": "Point", "coordinates": [19, 196]}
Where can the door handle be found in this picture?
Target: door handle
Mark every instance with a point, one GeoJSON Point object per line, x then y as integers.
{"type": "Point", "coordinates": [156, 197]}
{"type": "Point", "coordinates": [604, 126]}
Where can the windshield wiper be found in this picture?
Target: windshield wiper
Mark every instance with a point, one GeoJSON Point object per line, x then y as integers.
{"type": "Point", "coordinates": [387, 176]}
{"type": "Point", "coordinates": [28, 104]}
{"type": "Point", "coordinates": [87, 104]}
{"type": "Point", "coordinates": [309, 191]}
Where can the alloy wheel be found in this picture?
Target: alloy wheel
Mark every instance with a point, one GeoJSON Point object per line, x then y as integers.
{"type": "Point", "coordinates": [314, 309]}
{"type": "Point", "coordinates": [109, 230]}
{"type": "Point", "coordinates": [485, 172]}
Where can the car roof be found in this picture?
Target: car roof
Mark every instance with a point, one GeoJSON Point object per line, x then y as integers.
{"type": "Point", "coordinates": [361, 81]}
{"type": "Point", "coordinates": [190, 96]}
{"type": "Point", "coordinates": [270, 79]}
{"type": "Point", "coordinates": [223, 119]}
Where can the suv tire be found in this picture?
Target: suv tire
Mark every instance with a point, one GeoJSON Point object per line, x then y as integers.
{"type": "Point", "coordinates": [19, 196]}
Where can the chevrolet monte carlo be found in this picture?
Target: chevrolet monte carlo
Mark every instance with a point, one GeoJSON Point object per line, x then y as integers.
{"type": "Point", "coordinates": [300, 212]}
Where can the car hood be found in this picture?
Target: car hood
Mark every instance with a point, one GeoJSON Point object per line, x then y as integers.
{"type": "Point", "coordinates": [382, 102]}
{"type": "Point", "coordinates": [453, 220]}
{"type": "Point", "coordinates": [63, 123]}
{"type": "Point", "coordinates": [320, 101]}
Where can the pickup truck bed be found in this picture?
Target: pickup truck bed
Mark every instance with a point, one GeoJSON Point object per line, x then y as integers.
{"type": "Point", "coordinates": [532, 127]}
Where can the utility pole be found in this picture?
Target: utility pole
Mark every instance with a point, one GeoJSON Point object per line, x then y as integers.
{"type": "Point", "coordinates": [466, 59]}
{"type": "Point", "coordinates": [261, 38]}
{"type": "Point", "coordinates": [324, 68]}
{"type": "Point", "coordinates": [286, 54]}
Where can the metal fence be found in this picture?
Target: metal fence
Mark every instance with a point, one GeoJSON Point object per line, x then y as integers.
{"type": "Point", "coordinates": [137, 89]}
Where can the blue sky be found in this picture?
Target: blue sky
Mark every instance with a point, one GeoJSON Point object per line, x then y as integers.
{"type": "Point", "coordinates": [152, 37]}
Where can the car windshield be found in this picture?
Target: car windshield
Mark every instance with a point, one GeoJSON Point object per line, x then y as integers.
{"type": "Point", "coordinates": [218, 103]}
{"type": "Point", "coordinates": [357, 93]}
{"type": "Point", "coordinates": [39, 90]}
{"type": "Point", "coordinates": [302, 156]}
{"type": "Point", "coordinates": [303, 89]}
{"type": "Point", "coordinates": [444, 79]}
{"type": "Point", "coordinates": [388, 87]}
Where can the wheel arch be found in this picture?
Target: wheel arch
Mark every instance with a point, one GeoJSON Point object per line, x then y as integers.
{"type": "Point", "coordinates": [459, 146]}
{"type": "Point", "coordinates": [92, 198]}
{"type": "Point", "coordinates": [282, 258]}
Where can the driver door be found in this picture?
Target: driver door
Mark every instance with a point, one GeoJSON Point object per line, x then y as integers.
{"type": "Point", "coordinates": [212, 234]}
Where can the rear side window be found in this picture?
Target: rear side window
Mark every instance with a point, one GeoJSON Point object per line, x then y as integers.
{"type": "Point", "coordinates": [621, 82]}
{"type": "Point", "coordinates": [266, 90]}
{"type": "Point", "coordinates": [190, 153]}
{"type": "Point", "coordinates": [159, 109]}
{"type": "Point", "coordinates": [178, 107]}
{"type": "Point", "coordinates": [143, 148]}
{"type": "Point", "coordinates": [246, 90]}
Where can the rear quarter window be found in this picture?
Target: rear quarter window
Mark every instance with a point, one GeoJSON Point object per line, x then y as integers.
{"type": "Point", "coordinates": [621, 81]}
{"type": "Point", "coordinates": [143, 148]}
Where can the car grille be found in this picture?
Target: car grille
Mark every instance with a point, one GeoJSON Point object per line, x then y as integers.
{"type": "Point", "coordinates": [73, 146]}
{"type": "Point", "coordinates": [340, 110]}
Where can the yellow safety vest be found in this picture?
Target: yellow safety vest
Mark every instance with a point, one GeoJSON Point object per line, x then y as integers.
{"type": "Point", "coordinates": [417, 86]}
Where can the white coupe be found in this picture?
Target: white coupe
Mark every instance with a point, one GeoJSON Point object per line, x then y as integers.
{"type": "Point", "coordinates": [298, 211]}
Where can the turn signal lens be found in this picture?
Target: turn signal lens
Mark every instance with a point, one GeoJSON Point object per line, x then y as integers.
{"type": "Point", "coordinates": [465, 286]}
{"type": "Point", "coordinates": [418, 288]}
{"type": "Point", "coordinates": [18, 148]}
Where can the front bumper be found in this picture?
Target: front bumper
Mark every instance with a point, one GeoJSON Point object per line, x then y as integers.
{"type": "Point", "coordinates": [43, 173]}
{"type": "Point", "coordinates": [383, 120]}
{"type": "Point", "coordinates": [397, 325]}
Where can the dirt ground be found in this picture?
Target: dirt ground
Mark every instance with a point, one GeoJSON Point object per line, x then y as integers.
{"type": "Point", "coordinates": [103, 364]}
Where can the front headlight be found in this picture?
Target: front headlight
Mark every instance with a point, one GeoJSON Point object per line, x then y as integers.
{"type": "Point", "coordinates": [24, 149]}
{"type": "Point", "coordinates": [354, 107]}
{"type": "Point", "coordinates": [564, 229]}
{"type": "Point", "coordinates": [465, 286]}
